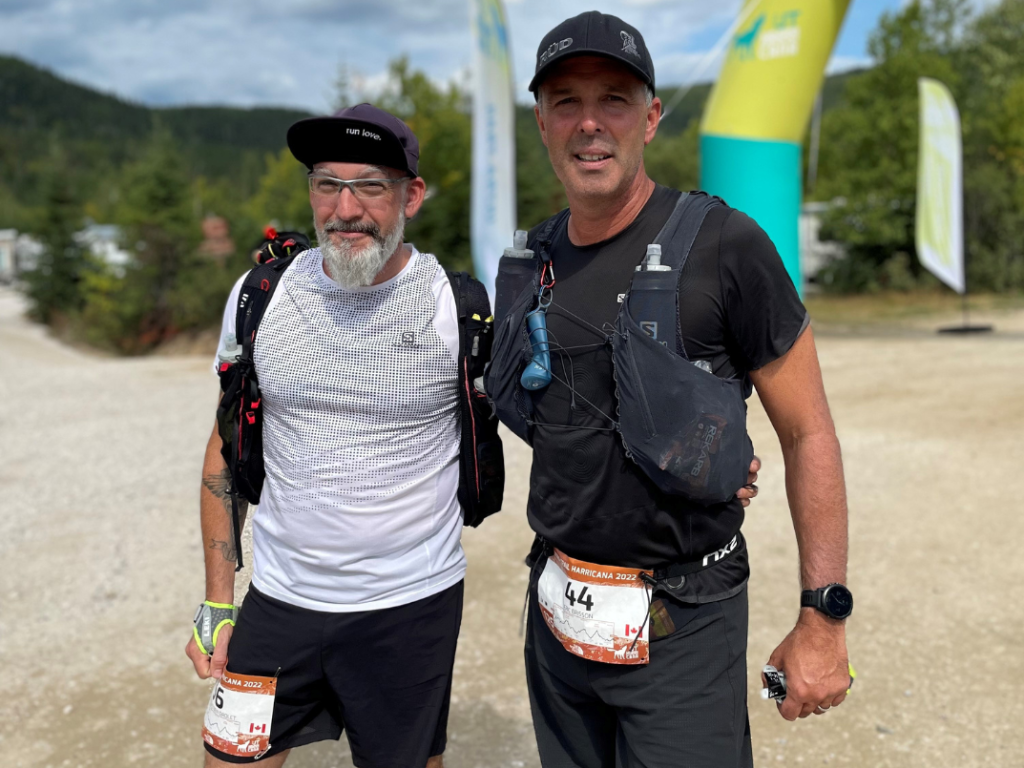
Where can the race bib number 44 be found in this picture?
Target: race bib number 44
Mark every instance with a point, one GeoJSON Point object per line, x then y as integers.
{"type": "Point", "coordinates": [597, 612]}
{"type": "Point", "coordinates": [239, 714]}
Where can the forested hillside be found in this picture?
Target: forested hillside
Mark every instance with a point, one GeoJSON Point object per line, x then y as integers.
{"type": "Point", "coordinates": [96, 134]}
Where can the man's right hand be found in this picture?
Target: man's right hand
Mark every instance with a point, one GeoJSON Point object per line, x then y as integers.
{"type": "Point", "coordinates": [210, 666]}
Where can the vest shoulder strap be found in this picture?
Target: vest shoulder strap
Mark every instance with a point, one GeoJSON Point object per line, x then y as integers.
{"type": "Point", "coordinates": [254, 297]}
{"type": "Point", "coordinates": [680, 231]}
{"type": "Point", "coordinates": [470, 295]}
{"type": "Point", "coordinates": [546, 233]}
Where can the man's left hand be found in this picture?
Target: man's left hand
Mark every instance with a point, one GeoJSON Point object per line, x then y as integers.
{"type": "Point", "coordinates": [816, 664]}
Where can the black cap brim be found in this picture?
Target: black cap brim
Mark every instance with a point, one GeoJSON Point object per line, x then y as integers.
{"type": "Point", "coordinates": [343, 140]}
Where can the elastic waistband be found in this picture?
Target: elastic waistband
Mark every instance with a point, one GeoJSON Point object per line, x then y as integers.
{"type": "Point", "coordinates": [710, 560]}
{"type": "Point", "coordinates": [673, 575]}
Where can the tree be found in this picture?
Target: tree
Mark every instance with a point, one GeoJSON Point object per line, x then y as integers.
{"type": "Point", "coordinates": [868, 161]}
{"type": "Point", "coordinates": [167, 287]}
{"type": "Point", "coordinates": [53, 286]}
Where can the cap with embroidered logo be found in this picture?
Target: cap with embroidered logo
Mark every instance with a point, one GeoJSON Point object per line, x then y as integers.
{"type": "Point", "coordinates": [594, 34]}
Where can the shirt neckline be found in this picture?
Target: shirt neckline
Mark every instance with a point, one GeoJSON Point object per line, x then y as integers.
{"type": "Point", "coordinates": [658, 189]}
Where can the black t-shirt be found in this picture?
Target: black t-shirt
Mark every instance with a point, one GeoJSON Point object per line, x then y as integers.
{"type": "Point", "coordinates": [738, 310]}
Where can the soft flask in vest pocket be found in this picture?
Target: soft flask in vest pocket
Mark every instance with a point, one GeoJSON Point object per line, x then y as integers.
{"type": "Point", "coordinates": [686, 428]}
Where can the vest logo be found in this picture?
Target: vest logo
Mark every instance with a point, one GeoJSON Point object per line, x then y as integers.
{"type": "Point", "coordinates": [780, 41]}
{"type": "Point", "coordinates": [552, 49]}
{"type": "Point", "coordinates": [707, 440]}
{"type": "Point", "coordinates": [408, 338]}
{"type": "Point", "coordinates": [629, 44]}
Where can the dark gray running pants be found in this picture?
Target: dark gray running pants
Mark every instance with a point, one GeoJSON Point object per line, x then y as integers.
{"type": "Point", "coordinates": [687, 708]}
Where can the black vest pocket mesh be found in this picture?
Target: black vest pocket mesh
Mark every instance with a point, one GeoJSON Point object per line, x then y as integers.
{"type": "Point", "coordinates": [509, 353]}
{"type": "Point", "coordinates": [686, 428]}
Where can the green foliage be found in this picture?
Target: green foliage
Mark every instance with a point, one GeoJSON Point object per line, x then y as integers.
{"type": "Point", "coordinates": [675, 160]}
{"type": "Point", "coordinates": [54, 285]}
{"type": "Point", "coordinates": [868, 162]}
{"type": "Point", "coordinates": [168, 287]}
{"type": "Point", "coordinates": [441, 121]}
{"type": "Point", "coordinates": [283, 195]}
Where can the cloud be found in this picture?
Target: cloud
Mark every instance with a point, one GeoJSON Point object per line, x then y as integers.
{"type": "Point", "coordinates": [288, 52]}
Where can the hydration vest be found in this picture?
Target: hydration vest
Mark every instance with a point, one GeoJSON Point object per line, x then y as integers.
{"type": "Point", "coordinates": [240, 416]}
{"type": "Point", "coordinates": [683, 426]}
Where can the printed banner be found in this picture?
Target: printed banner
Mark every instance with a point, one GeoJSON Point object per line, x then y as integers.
{"type": "Point", "coordinates": [493, 217]}
{"type": "Point", "coordinates": [773, 69]}
{"type": "Point", "coordinates": [940, 196]}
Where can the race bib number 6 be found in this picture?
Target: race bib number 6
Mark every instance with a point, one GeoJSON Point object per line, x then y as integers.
{"type": "Point", "coordinates": [597, 612]}
{"type": "Point", "coordinates": [239, 714]}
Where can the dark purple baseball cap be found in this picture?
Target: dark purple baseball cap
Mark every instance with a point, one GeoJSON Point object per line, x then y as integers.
{"type": "Point", "coordinates": [359, 134]}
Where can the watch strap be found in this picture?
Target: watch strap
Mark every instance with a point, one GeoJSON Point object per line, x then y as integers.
{"type": "Point", "coordinates": [811, 598]}
{"type": "Point", "coordinates": [209, 619]}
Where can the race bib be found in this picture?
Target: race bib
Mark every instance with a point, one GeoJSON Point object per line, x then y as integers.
{"type": "Point", "coordinates": [597, 612]}
{"type": "Point", "coordinates": [239, 714]}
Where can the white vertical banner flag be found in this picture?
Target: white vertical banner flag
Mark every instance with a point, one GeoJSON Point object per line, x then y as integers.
{"type": "Point", "coordinates": [493, 218]}
{"type": "Point", "coordinates": [940, 194]}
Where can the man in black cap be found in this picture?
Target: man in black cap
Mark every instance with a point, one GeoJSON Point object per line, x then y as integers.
{"type": "Point", "coordinates": [615, 679]}
{"type": "Point", "coordinates": [354, 610]}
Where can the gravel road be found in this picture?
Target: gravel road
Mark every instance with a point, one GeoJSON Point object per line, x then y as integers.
{"type": "Point", "coordinates": [102, 562]}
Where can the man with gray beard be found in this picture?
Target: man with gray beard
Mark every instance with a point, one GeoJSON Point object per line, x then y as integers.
{"type": "Point", "coordinates": [352, 617]}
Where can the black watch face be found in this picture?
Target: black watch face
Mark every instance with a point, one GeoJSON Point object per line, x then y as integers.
{"type": "Point", "coordinates": [838, 602]}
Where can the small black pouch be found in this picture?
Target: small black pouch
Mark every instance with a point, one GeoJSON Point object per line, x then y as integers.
{"type": "Point", "coordinates": [685, 427]}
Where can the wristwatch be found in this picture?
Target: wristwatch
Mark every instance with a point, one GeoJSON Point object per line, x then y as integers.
{"type": "Point", "coordinates": [834, 600]}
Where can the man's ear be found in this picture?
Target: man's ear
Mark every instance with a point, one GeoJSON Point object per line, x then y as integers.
{"type": "Point", "coordinates": [415, 192]}
{"type": "Point", "coordinates": [540, 123]}
{"type": "Point", "coordinates": [653, 118]}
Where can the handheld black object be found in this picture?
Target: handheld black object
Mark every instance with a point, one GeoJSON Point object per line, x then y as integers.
{"type": "Point", "coordinates": [833, 600]}
{"type": "Point", "coordinates": [776, 680]}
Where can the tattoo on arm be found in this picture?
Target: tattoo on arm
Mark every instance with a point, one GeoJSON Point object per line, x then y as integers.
{"type": "Point", "coordinates": [226, 548]}
{"type": "Point", "coordinates": [218, 484]}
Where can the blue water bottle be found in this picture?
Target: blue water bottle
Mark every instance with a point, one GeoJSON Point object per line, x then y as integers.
{"type": "Point", "coordinates": [538, 373]}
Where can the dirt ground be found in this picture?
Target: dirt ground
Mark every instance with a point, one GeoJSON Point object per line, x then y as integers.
{"type": "Point", "coordinates": [101, 561]}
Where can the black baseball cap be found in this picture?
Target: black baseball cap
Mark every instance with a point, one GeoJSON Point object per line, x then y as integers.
{"type": "Point", "coordinates": [360, 134]}
{"type": "Point", "coordinates": [594, 34]}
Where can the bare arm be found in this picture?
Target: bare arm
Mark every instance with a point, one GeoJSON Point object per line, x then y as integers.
{"type": "Point", "coordinates": [814, 654]}
{"type": "Point", "coordinates": [793, 395]}
{"type": "Point", "coordinates": [215, 515]}
{"type": "Point", "coordinates": [219, 552]}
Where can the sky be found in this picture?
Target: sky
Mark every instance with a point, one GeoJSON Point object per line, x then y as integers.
{"type": "Point", "coordinates": [288, 52]}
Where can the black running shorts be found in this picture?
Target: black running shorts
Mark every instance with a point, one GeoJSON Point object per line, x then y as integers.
{"type": "Point", "coordinates": [687, 707]}
{"type": "Point", "coordinates": [384, 677]}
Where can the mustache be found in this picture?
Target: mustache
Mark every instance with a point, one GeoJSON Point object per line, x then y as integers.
{"type": "Point", "coordinates": [362, 227]}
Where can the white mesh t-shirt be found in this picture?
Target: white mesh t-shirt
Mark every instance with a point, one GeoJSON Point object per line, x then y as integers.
{"type": "Point", "coordinates": [360, 438]}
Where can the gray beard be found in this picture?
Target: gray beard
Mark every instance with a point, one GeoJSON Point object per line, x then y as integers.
{"type": "Point", "coordinates": [352, 268]}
